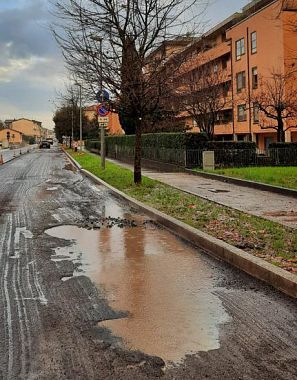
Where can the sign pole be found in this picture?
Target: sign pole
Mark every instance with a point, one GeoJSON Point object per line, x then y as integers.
{"type": "Point", "coordinates": [102, 137]}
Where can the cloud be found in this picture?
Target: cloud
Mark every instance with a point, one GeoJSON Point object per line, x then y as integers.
{"type": "Point", "coordinates": [31, 66]}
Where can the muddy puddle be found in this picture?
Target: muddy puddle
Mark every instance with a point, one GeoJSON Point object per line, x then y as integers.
{"type": "Point", "coordinates": [165, 285]}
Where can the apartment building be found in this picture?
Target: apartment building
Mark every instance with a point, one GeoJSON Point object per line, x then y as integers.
{"type": "Point", "coordinates": [27, 127]}
{"type": "Point", "coordinates": [247, 48]}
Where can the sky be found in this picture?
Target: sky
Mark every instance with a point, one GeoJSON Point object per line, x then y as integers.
{"type": "Point", "coordinates": [31, 64]}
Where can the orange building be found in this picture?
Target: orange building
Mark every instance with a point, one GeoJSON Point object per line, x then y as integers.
{"type": "Point", "coordinates": [15, 137]}
{"type": "Point", "coordinates": [247, 47]}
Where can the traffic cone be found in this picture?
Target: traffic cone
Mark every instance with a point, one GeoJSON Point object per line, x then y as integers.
{"type": "Point", "coordinates": [1, 160]}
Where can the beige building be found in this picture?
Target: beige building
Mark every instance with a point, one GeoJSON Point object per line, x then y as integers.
{"type": "Point", "coordinates": [31, 128]}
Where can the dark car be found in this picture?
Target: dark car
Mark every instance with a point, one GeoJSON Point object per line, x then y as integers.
{"type": "Point", "coordinates": [50, 140]}
{"type": "Point", "coordinates": [44, 144]}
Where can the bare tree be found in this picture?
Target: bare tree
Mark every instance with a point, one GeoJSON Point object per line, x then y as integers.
{"type": "Point", "coordinates": [126, 33]}
{"type": "Point", "coordinates": [276, 101]}
{"type": "Point", "coordinates": [203, 95]}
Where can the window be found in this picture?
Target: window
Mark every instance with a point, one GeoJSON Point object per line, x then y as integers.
{"type": "Point", "coordinates": [254, 42]}
{"type": "Point", "coordinates": [240, 81]}
{"type": "Point", "coordinates": [224, 63]}
{"type": "Point", "coordinates": [255, 77]}
{"type": "Point", "coordinates": [256, 112]}
{"type": "Point", "coordinates": [215, 67]}
{"type": "Point", "coordinates": [241, 112]}
{"type": "Point", "coordinates": [240, 49]}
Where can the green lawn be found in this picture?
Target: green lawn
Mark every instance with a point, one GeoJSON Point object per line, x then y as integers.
{"type": "Point", "coordinates": [277, 176]}
{"type": "Point", "coordinates": [268, 240]}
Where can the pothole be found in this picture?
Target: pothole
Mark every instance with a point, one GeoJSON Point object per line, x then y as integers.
{"type": "Point", "coordinates": [166, 287]}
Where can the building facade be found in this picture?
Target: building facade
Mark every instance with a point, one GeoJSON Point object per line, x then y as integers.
{"type": "Point", "coordinates": [30, 128]}
{"type": "Point", "coordinates": [247, 49]}
{"type": "Point", "coordinates": [10, 136]}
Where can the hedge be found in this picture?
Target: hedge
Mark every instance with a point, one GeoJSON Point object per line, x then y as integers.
{"type": "Point", "coordinates": [283, 145]}
{"type": "Point", "coordinates": [161, 140]}
{"type": "Point", "coordinates": [182, 149]}
{"type": "Point", "coordinates": [177, 141]}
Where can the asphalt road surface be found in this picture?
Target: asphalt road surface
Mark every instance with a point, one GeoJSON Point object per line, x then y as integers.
{"type": "Point", "coordinates": [55, 312]}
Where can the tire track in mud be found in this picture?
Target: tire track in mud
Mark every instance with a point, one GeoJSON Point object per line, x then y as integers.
{"type": "Point", "coordinates": [21, 289]}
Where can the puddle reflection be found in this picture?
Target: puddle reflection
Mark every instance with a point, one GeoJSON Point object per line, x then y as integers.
{"type": "Point", "coordinates": [162, 282]}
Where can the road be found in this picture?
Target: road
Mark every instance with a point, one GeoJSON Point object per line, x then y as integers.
{"type": "Point", "coordinates": [85, 281]}
{"type": "Point", "coordinates": [276, 207]}
{"type": "Point", "coordinates": [9, 154]}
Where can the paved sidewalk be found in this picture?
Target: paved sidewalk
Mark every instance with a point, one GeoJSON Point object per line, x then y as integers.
{"type": "Point", "coordinates": [272, 206]}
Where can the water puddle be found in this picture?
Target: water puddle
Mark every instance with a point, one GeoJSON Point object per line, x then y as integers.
{"type": "Point", "coordinates": [164, 284]}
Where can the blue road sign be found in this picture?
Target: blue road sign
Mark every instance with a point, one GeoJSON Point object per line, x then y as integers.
{"type": "Point", "coordinates": [102, 110]}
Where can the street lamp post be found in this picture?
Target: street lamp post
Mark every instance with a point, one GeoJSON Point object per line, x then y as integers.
{"type": "Point", "coordinates": [80, 114]}
{"type": "Point", "coordinates": [102, 131]}
{"type": "Point", "coordinates": [80, 118]}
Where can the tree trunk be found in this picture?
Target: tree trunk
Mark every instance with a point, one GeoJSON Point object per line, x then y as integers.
{"type": "Point", "coordinates": [137, 157]}
{"type": "Point", "coordinates": [280, 131]}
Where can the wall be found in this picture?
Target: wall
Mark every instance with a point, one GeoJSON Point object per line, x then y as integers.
{"type": "Point", "coordinates": [27, 127]}
{"type": "Point", "coordinates": [15, 137]}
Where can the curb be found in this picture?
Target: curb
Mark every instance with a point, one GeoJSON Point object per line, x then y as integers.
{"type": "Point", "coordinates": [258, 268]}
{"type": "Point", "coordinates": [246, 183]}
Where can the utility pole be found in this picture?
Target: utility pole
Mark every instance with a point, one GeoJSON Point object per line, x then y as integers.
{"type": "Point", "coordinates": [80, 118]}
{"type": "Point", "coordinates": [102, 131]}
{"type": "Point", "coordinates": [72, 122]}
{"type": "Point", "coordinates": [102, 126]}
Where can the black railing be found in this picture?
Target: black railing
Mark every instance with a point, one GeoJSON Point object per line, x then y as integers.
{"type": "Point", "coordinates": [194, 158]}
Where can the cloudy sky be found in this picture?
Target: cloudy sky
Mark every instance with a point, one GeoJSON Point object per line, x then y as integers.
{"type": "Point", "coordinates": [31, 66]}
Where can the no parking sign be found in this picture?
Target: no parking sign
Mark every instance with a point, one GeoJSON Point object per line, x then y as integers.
{"type": "Point", "coordinates": [102, 110]}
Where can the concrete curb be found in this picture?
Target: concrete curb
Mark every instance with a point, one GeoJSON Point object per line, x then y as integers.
{"type": "Point", "coordinates": [246, 183]}
{"type": "Point", "coordinates": [278, 278]}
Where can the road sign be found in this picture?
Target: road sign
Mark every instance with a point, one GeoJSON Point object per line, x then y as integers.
{"type": "Point", "coordinates": [102, 110]}
{"type": "Point", "coordinates": [103, 119]}
{"type": "Point", "coordinates": [102, 96]}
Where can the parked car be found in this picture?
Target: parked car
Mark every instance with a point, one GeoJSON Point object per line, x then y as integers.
{"type": "Point", "coordinates": [44, 144]}
{"type": "Point", "coordinates": [50, 140]}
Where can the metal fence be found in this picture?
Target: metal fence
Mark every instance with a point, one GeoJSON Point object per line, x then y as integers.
{"type": "Point", "coordinates": [194, 158]}
{"type": "Point", "coordinates": [168, 156]}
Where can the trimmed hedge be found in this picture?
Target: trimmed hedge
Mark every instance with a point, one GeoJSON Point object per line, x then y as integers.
{"type": "Point", "coordinates": [161, 140]}
{"type": "Point", "coordinates": [182, 149]}
{"type": "Point", "coordinates": [283, 145]}
{"type": "Point", "coordinates": [177, 141]}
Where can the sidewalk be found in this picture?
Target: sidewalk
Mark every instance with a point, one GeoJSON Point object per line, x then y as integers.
{"type": "Point", "coordinates": [272, 206]}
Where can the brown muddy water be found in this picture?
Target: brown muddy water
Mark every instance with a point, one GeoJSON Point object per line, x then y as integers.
{"type": "Point", "coordinates": [166, 286]}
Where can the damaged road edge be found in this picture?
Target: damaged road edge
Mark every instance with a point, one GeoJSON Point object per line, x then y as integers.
{"type": "Point", "coordinates": [256, 267]}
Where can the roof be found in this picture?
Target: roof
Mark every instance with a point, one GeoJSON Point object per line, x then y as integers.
{"type": "Point", "coordinates": [24, 118]}
{"type": "Point", "coordinates": [9, 129]}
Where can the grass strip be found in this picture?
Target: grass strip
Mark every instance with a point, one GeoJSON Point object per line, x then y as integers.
{"type": "Point", "coordinates": [268, 240]}
{"type": "Point", "coordinates": [282, 176]}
